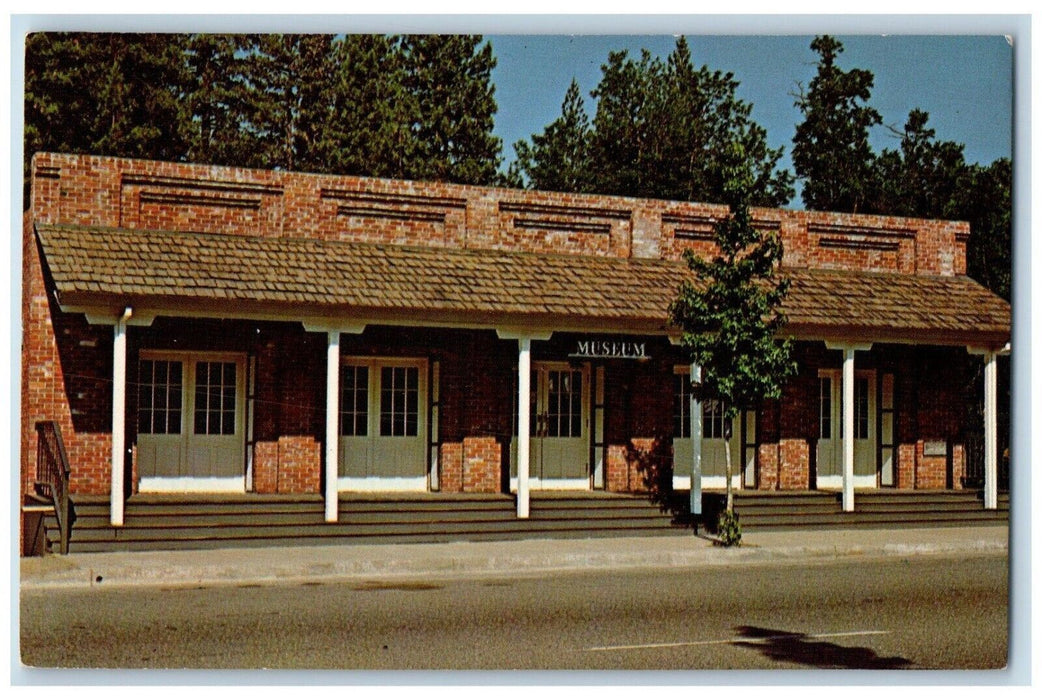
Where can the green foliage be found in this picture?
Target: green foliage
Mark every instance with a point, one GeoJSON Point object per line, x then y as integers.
{"type": "Point", "coordinates": [409, 107]}
{"type": "Point", "coordinates": [108, 94]}
{"type": "Point", "coordinates": [661, 130]}
{"type": "Point", "coordinates": [929, 178]}
{"type": "Point", "coordinates": [217, 100]}
{"type": "Point", "coordinates": [985, 200]}
{"type": "Point", "coordinates": [449, 81]}
{"type": "Point", "coordinates": [729, 530]}
{"type": "Point", "coordinates": [831, 153]}
{"type": "Point", "coordinates": [925, 177]}
{"type": "Point", "coordinates": [730, 315]}
{"type": "Point", "coordinates": [372, 119]}
{"type": "Point", "coordinates": [559, 158]}
{"type": "Point", "coordinates": [922, 179]}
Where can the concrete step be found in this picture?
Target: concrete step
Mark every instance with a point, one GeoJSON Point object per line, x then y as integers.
{"type": "Point", "coordinates": [862, 518]}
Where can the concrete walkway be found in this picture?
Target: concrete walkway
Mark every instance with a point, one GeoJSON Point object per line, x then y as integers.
{"type": "Point", "coordinates": [262, 566]}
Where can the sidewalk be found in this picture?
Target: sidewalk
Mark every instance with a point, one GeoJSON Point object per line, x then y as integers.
{"type": "Point", "coordinates": [515, 558]}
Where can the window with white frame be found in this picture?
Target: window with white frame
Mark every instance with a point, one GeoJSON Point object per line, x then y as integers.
{"type": "Point", "coordinates": [713, 419]}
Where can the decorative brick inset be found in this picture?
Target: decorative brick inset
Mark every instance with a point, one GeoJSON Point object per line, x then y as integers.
{"type": "Point", "coordinates": [482, 458]}
{"type": "Point", "coordinates": [794, 470]}
{"type": "Point", "coordinates": [450, 459]}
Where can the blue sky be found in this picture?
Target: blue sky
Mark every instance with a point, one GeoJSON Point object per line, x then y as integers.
{"type": "Point", "coordinates": [964, 82]}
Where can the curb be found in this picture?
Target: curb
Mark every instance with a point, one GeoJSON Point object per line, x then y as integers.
{"type": "Point", "coordinates": [256, 567]}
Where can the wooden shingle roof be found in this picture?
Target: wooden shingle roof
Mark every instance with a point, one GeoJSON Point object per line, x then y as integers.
{"type": "Point", "coordinates": [229, 275]}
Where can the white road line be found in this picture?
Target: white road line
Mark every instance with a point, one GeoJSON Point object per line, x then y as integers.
{"type": "Point", "coordinates": [736, 640]}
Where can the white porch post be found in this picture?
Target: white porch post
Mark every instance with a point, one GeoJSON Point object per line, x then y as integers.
{"type": "Point", "coordinates": [524, 377]}
{"type": "Point", "coordinates": [119, 404]}
{"type": "Point", "coordinates": [332, 424]}
{"type": "Point", "coordinates": [848, 429]}
{"type": "Point", "coordinates": [696, 444]}
{"type": "Point", "coordinates": [848, 349]}
{"type": "Point", "coordinates": [991, 432]}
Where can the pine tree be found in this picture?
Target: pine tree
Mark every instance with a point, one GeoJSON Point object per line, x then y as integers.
{"type": "Point", "coordinates": [449, 79]}
{"type": "Point", "coordinates": [659, 131]}
{"type": "Point", "coordinates": [559, 158]}
{"type": "Point", "coordinates": [218, 99]}
{"type": "Point", "coordinates": [112, 94]}
{"type": "Point", "coordinates": [371, 126]}
{"type": "Point", "coordinates": [922, 178]}
{"type": "Point", "coordinates": [831, 152]}
{"type": "Point", "coordinates": [289, 100]}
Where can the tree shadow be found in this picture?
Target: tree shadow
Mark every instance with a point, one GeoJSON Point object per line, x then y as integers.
{"type": "Point", "coordinates": [655, 466]}
{"type": "Point", "coordinates": [806, 650]}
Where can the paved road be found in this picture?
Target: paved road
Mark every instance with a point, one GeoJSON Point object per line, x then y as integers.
{"type": "Point", "coordinates": [927, 611]}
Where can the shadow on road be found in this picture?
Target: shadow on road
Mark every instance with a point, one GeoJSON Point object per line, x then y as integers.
{"type": "Point", "coordinates": [796, 647]}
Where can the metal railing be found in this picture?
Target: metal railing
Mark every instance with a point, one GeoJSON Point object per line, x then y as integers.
{"type": "Point", "coordinates": [974, 474]}
{"type": "Point", "coordinates": [52, 476]}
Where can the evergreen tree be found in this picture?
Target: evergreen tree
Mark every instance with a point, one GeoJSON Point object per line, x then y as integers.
{"type": "Point", "coordinates": [110, 94]}
{"type": "Point", "coordinates": [417, 107]}
{"type": "Point", "coordinates": [831, 153]}
{"type": "Point", "coordinates": [984, 199]}
{"type": "Point", "coordinates": [218, 99]}
{"type": "Point", "coordinates": [289, 100]}
{"type": "Point", "coordinates": [660, 130]}
{"type": "Point", "coordinates": [730, 317]}
{"type": "Point", "coordinates": [449, 80]}
{"type": "Point", "coordinates": [372, 111]}
{"type": "Point", "coordinates": [922, 178]}
{"type": "Point", "coordinates": [559, 158]}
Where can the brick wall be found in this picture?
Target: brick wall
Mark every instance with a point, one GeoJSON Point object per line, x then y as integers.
{"type": "Point", "coordinates": [67, 362]}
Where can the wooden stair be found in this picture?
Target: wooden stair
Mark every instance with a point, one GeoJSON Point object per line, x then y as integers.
{"type": "Point", "coordinates": [164, 522]}
{"type": "Point", "coordinates": [210, 522]}
{"type": "Point", "coordinates": [883, 508]}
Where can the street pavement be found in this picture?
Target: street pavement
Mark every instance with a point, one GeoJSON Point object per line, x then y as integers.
{"type": "Point", "coordinates": [328, 563]}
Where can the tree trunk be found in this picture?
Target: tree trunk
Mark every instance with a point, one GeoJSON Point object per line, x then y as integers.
{"type": "Point", "coordinates": [727, 472]}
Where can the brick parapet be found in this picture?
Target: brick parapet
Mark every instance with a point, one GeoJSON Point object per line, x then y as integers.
{"type": "Point", "coordinates": [94, 190]}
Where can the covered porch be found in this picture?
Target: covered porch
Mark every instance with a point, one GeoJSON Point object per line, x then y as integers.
{"type": "Point", "coordinates": [336, 293]}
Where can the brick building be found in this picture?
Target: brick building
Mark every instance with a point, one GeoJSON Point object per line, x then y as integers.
{"type": "Point", "coordinates": [274, 332]}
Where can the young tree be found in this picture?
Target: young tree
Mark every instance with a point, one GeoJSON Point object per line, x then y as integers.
{"type": "Point", "coordinates": [559, 158]}
{"type": "Point", "coordinates": [730, 315]}
{"type": "Point", "coordinates": [831, 153]}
